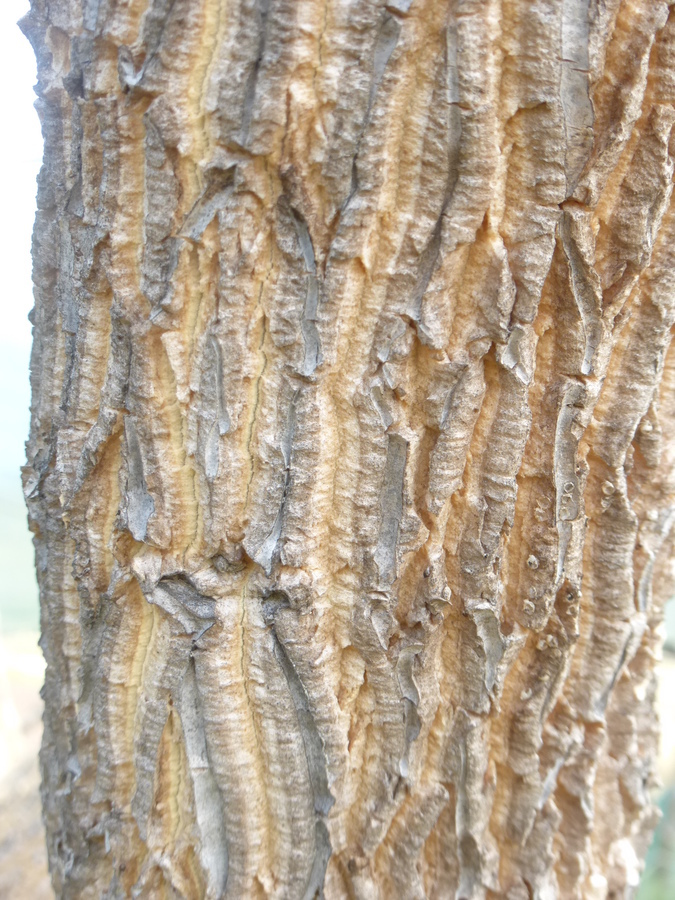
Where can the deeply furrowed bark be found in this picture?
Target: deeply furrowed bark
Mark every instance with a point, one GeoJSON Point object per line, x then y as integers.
{"type": "Point", "coordinates": [351, 465]}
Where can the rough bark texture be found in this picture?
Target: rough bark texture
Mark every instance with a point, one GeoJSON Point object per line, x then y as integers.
{"type": "Point", "coordinates": [351, 467]}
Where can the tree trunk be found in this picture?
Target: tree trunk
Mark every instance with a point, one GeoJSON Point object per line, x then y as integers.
{"type": "Point", "coordinates": [351, 459]}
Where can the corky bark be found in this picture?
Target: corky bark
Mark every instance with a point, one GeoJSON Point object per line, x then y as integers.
{"type": "Point", "coordinates": [351, 459]}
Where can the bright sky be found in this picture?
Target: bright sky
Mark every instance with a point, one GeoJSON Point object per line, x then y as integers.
{"type": "Point", "coordinates": [20, 157]}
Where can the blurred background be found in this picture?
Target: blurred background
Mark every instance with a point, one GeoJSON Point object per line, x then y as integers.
{"type": "Point", "coordinates": [23, 868]}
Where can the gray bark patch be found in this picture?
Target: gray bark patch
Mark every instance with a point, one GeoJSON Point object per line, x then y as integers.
{"type": "Point", "coordinates": [208, 798]}
{"type": "Point", "coordinates": [140, 505]}
{"type": "Point", "coordinates": [391, 507]}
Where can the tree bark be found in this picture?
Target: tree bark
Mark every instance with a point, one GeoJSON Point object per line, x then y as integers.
{"type": "Point", "coordinates": [351, 459]}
